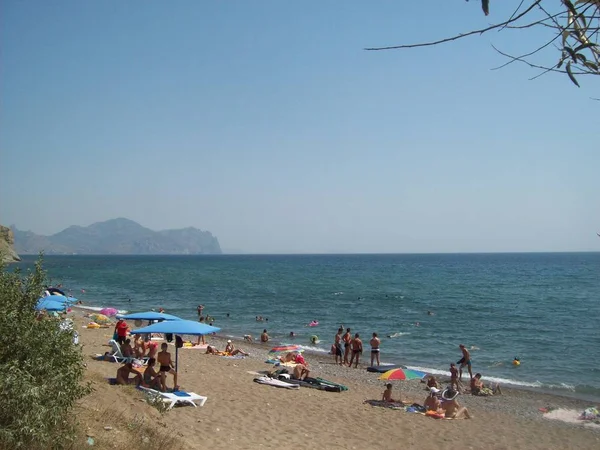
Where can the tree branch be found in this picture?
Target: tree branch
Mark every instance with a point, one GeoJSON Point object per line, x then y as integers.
{"type": "Point", "coordinates": [460, 36]}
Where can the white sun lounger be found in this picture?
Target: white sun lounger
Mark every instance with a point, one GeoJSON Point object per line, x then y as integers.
{"type": "Point", "coordinates": [188, 398]}
{"type": "Point", "coordinates": [118, 357]}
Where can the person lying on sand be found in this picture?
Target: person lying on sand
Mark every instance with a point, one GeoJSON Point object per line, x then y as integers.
{"type": "Point", "coordinates": [387, 395]}
{"type": "Point", "coordinates": [152, 378]}
{"type": "Point", "coordinates": [432, 402]}
{"type": "Point", "coordinates": [478, 388]}
{"type": "Point", "coordinates": [210, 350]}
{"type": "Point", "coordinates": [123, 375]}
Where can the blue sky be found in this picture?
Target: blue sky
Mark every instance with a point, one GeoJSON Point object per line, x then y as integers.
{"type": "Point", "coordinates": [267, 123]}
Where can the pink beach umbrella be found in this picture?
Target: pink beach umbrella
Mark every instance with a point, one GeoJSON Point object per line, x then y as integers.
{"type": "Point", "coordinates": [110, 312]}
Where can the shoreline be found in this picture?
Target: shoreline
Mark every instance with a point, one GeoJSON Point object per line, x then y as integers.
{"type": "Point", "coordinates": [566, 393]}
{"type": "Point", "coordinates": [324, 362]}
{"type": "Point", "coordinates": [242, 414]}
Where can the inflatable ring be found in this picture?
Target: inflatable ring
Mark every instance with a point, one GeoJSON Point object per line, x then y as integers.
{"type": "Point", "coordinates": [314, 339]}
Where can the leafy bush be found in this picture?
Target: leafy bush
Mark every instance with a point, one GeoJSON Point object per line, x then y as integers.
{"type": "Point", "coordinates": [42, 370]}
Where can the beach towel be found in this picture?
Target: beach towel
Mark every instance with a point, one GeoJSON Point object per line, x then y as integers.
{"type": "Point", "coordinates": [275, 383]}
{"type": "Point", "coordinates": [382, 404]}
{"type": "Point", "coordinates": [232, 357]}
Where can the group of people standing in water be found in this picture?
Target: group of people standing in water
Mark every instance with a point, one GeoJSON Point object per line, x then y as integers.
{"type": "Point", "coordinates": [347, 349]}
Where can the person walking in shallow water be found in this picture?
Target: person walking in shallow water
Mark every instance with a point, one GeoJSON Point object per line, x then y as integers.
{"type": "Point", "coordinates": [464, 361]}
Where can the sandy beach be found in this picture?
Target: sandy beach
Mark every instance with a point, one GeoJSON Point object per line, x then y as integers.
{"type": "Point", "coordinates": [242, 414]}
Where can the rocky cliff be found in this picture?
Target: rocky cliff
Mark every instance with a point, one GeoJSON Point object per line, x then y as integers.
{"type": "Point", "coordinates": [118, 237]}
{"type": "Point", "coordinates": [7, 240]}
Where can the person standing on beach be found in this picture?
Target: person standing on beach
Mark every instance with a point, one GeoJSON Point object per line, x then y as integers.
{"type": "Point", "coordinates": [166, 367]}
{"type": "Point", "coordinates": [121, 330]}
{"type": "Point", "coordinates": [454, 382]}
{"type": "Point", "coordinates": [375, 343]}
{"type": "Point", "coordinates": [347, 338]}
{"type": "Point", "coordinates": [201, 339]}
{"type": "Point", "coordinates": [464, 361]}
{"type": "Point", "coordinates": [357, 347]}
{"type": "Point", "coordinates": [338, 346]}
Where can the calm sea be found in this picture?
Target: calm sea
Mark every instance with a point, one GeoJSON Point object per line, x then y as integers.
{"type": "Point", "coordinates": [542, 308]}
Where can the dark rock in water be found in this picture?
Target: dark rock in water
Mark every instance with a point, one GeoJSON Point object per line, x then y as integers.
{"type": "Point", "coordinates": [118, 237]}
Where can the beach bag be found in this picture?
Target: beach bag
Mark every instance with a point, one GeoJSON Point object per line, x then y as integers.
{"type": "Point", "coordinates": [169, 337]}
{"type": "Point", "coordinates": [115, 336]}
{"type": "Point", "coordinates": [178, 342]}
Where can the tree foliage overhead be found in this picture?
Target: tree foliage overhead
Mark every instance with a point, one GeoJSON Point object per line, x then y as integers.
{"type": "Point", "coordinates": [573, 26]}
{"type": "Point", "coordinates": [42, 370]}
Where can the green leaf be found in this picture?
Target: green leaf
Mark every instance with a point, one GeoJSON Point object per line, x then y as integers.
{"type": "Point", "coordinates": [591, 65]}
{"type": "Point", "coordinates": [570, 6]}
{"type": "Point", "coordinates": [583, 46]}
{"type": "Point", "coordinates": [570, 73]}
{"type": "Point", "coordinates": [571, 53]}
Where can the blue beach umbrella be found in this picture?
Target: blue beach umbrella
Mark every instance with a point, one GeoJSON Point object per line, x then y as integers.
{"type": "Point", "coordinates": [178, 327]}
{"type": "Point", "coordinates": [50, 305]}
{"type": "Point", "coordinates": [58, 298]}
{"type": "Point", "coordinates": [148, 315]}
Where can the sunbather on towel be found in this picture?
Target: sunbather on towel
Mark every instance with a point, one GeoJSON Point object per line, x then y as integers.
{"type": "Point", "coordinates": [478, 388]}
{"type": "Point", "coordinates": [387, 395]}
{"type": "Point", "coordinates": [300, 372]}
{"type": "Point", "coordinates": [152, 378]}
{"type": "Point", "coordinates": [288, 357]}
{"type": "Point", "coordinates": [123, 375]}
{"type": "Point", "coordinates": [232, 351]}
{"type": "Point", "coordinates": [432, 402]}
{"type": "Point", "coordinates": [166, 366]}
{"type": "Point", "coordinates": [452, 409]}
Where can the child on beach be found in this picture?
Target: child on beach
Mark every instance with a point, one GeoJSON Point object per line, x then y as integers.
{"type": "Point", "coordinates": [387, 395]}
{"type": "Point", "coordinates": [455, 383]}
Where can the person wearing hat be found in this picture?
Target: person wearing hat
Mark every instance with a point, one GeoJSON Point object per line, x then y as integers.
{"type": "Point", "coordinates": [232, 351]}
{"type": "Point", "coordinates": [432, 402]}
{"type": "Point", "coordinates": [451, 407]}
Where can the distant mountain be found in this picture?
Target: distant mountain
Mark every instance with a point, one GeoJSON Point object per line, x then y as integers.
{"type": "Point", "coordinates": [117, 237]}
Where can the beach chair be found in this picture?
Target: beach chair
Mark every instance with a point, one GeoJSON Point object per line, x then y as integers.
{"type": "Point", "coordinates": [172, 398]}
{"type": "Point", "coordinates": [117, 355]}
